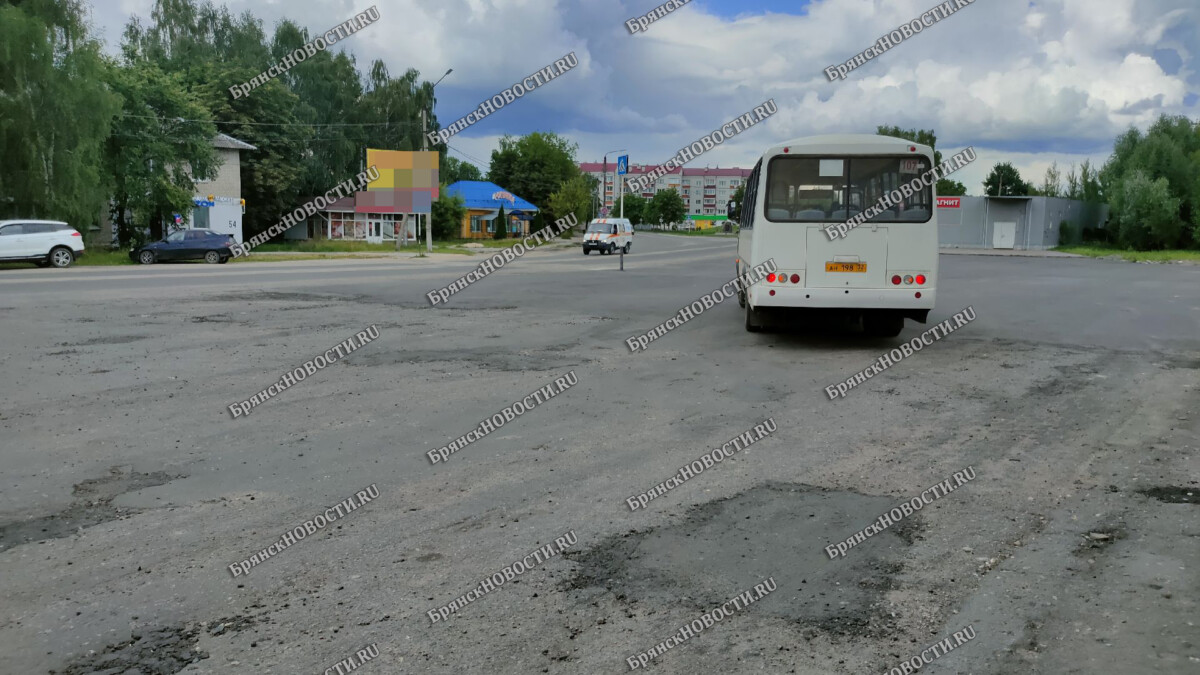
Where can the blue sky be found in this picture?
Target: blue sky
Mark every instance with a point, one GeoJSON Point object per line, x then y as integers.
{"type": "Point", "coordinates": [733, 8]}
{"type": "Point", "coordinates": [1030, 83]}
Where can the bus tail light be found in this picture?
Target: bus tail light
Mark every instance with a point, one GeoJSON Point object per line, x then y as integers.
{"type": "Point", "coordinates": [771, 278]}
{"type": "Point", "coordinates": [908, 279]}
{"type": "Point", "coordinates": [920, 279]}
{"type": "Point", "coordinates": [896, 280]}
{"type": "Point", "coordinates": [795, 278]}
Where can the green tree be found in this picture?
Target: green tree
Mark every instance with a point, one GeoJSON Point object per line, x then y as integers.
{"type": "Point", "coordinates": [950, 188]}
{"type": "Point", "coordinates": [739, 195]}
{"type": "Point", "coordinates": [453, 170]}
{"type": "Point", "coordinates": [1169, 150]}
{"type": "Point", "coordinates": [55, 113]}
{"type": "Point", "coordinates": [392, 109]}
{"type": "Point", "coordinates": [1051, 182]}
{"type": "Point", "coordinates": [572, 197]}
{"type": "Point", "coordinates": [185, 34]}
{"type": "Point", "coordinates": [447, 216]}
{"type": "Point", "coordinates": [156, 150]}
{"type": "Point", "coordinates": [210, 51]}
{"type": "Point", "coordinates": [1145, 212]}
{"type": "Point", "coordinates": [1004, 181]}
{"type": "Point", "coordinates": [272, 175]}
{"type": "Point", "coordinates": [311, 124]}
{"type": "Point", "coordinates": [328, 93]}
{"type": "Point", "coordinates": [666, 207]}
{"type": "Point", "coordinates": [538, 222]}
{"type": "Point", "coordinates": [1090, 189]}
{"type": "Point", "coordinates": [920, 136]}
{"type": "Point", "coordinates": [534, 166]}
{"type": "Point", "coordinates": [635, 209]}
{"type": "Point", "coordinates": [1072, 190]}
{"type": "Point", "coordinates": [499, 225]}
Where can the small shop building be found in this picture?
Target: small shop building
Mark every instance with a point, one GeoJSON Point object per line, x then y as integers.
{"type": "Point", "coordinates": [483, 201]}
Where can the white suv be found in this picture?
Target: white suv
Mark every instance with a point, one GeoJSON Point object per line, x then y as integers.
{"type": "Point", "coordinates": [45, 242]}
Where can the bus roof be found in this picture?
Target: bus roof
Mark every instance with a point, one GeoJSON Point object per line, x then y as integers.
{"type": "Point", "coordinates": [867, 144]}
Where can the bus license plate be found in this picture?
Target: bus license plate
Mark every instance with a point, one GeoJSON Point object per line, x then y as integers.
{"type": "Point", "coordinates": [845, 267]}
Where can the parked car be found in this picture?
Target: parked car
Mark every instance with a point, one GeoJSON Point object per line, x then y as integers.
{"type": "Point", "coordinates": [206, 245]}
{"type": "Point", "coordinates": [45, 242]}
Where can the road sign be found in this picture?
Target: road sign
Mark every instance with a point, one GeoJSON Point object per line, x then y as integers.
{"type": "Point", "coordinates": [603, 211]}
{"type": "Point", "coordinates": [622, 165]}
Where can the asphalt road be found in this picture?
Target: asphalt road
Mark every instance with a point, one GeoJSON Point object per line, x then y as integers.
{"type": "Point", "coordinates": [127, 489]}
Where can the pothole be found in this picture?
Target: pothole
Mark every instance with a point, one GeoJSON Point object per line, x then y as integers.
{"type": "Point", "coordinates": [158, 651]}
{"type": "Point", "coordinates": [1173, 495]}
{"type": "Point", "coordinates": [92, 506]}
{"type": "Point", "coordinates": [1100, 538]}
{"type": "Point", "coordinates": [720, 549]}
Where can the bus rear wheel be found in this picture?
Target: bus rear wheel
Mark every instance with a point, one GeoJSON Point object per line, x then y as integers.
{"type": "Point", "coordinates": [882, 324]}
{"type": "Point", "coordinates": [753, 320]}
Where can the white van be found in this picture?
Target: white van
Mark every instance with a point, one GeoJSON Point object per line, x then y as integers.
{"type": "Point", "coordinates": [607, 235]}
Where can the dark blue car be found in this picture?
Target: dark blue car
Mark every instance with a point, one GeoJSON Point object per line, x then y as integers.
{"type": "Point", "coordinates": [211, 247]}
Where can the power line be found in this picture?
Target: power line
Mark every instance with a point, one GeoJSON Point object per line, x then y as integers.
{"type": "Point", "coordinates": [276, 124]}
{"type": "Point", "coordinates": [474, 160]}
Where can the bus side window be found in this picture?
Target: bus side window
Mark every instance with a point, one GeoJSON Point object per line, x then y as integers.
{"type": "Point", "coordinates": [750, 198]}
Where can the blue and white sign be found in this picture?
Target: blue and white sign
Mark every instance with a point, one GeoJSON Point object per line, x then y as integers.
{"type": "Point", "coordinates": [203, 202]}
{"type": "Point", "coordinates": [622, 165]}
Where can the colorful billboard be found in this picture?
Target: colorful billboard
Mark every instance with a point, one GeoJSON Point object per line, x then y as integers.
{"type": "Point", "coordinates": [407, 183]}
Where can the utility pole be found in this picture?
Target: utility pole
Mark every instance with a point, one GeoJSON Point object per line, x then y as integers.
{"type": "Point", "coordinates": [604, 184]}
{"type": "Point", "coordinates": [425, 147]}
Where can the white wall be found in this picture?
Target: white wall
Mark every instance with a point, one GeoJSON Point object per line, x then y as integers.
{"type": "Point", "coordinates": [226, 219]}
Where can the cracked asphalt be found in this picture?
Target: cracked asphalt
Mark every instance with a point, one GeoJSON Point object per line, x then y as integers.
{"type": "Point", "coordinates": [127, 489]}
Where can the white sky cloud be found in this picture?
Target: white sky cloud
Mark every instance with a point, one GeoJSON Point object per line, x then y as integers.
{"type": "Point", "coordinates": [1027, 82]}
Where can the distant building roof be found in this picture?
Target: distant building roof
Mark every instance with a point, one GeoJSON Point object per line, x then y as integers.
{"type": "Point", "coordinates": [231, 143]}
{"type": "Point", "coordinates": [479, 194]}
{"type": "Point", "coordinates": [638, 169]}
{"type": "Point", "coordinates": [743, 173]}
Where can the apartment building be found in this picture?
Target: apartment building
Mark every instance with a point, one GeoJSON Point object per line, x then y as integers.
{"type": "Point", "coordinates": [705, 192]}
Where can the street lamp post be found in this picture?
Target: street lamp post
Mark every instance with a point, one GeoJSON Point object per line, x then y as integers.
{"type": "Point", "coordinates": [425, 147]}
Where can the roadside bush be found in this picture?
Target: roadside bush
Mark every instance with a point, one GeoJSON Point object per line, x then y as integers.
{"type": "Point", "coordinates": [1146, 215]}
{"type": "Point", "coordinates": [500, 225]}
{"type": "Point", "coordinates": [1067, 234]}
{"type": "Point", "coordinates": [447, 216]}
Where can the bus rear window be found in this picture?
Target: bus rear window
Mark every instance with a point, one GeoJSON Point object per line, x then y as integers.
{"type": "Point", "coordinates": [833, 189]}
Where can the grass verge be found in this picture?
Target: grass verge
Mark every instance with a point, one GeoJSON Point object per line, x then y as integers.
{"type": "Point", "coordinates": [289, 257]}
{"type": "Point", "coordinates": [1101, 251]}
{"type": "Point", "coordinates": [707, 232]}
{"type": "Point", "coordinates": [90, 258]}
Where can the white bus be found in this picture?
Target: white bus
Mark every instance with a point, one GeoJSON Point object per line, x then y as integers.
{"type": "Point", "coordinates": [884, 270]}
